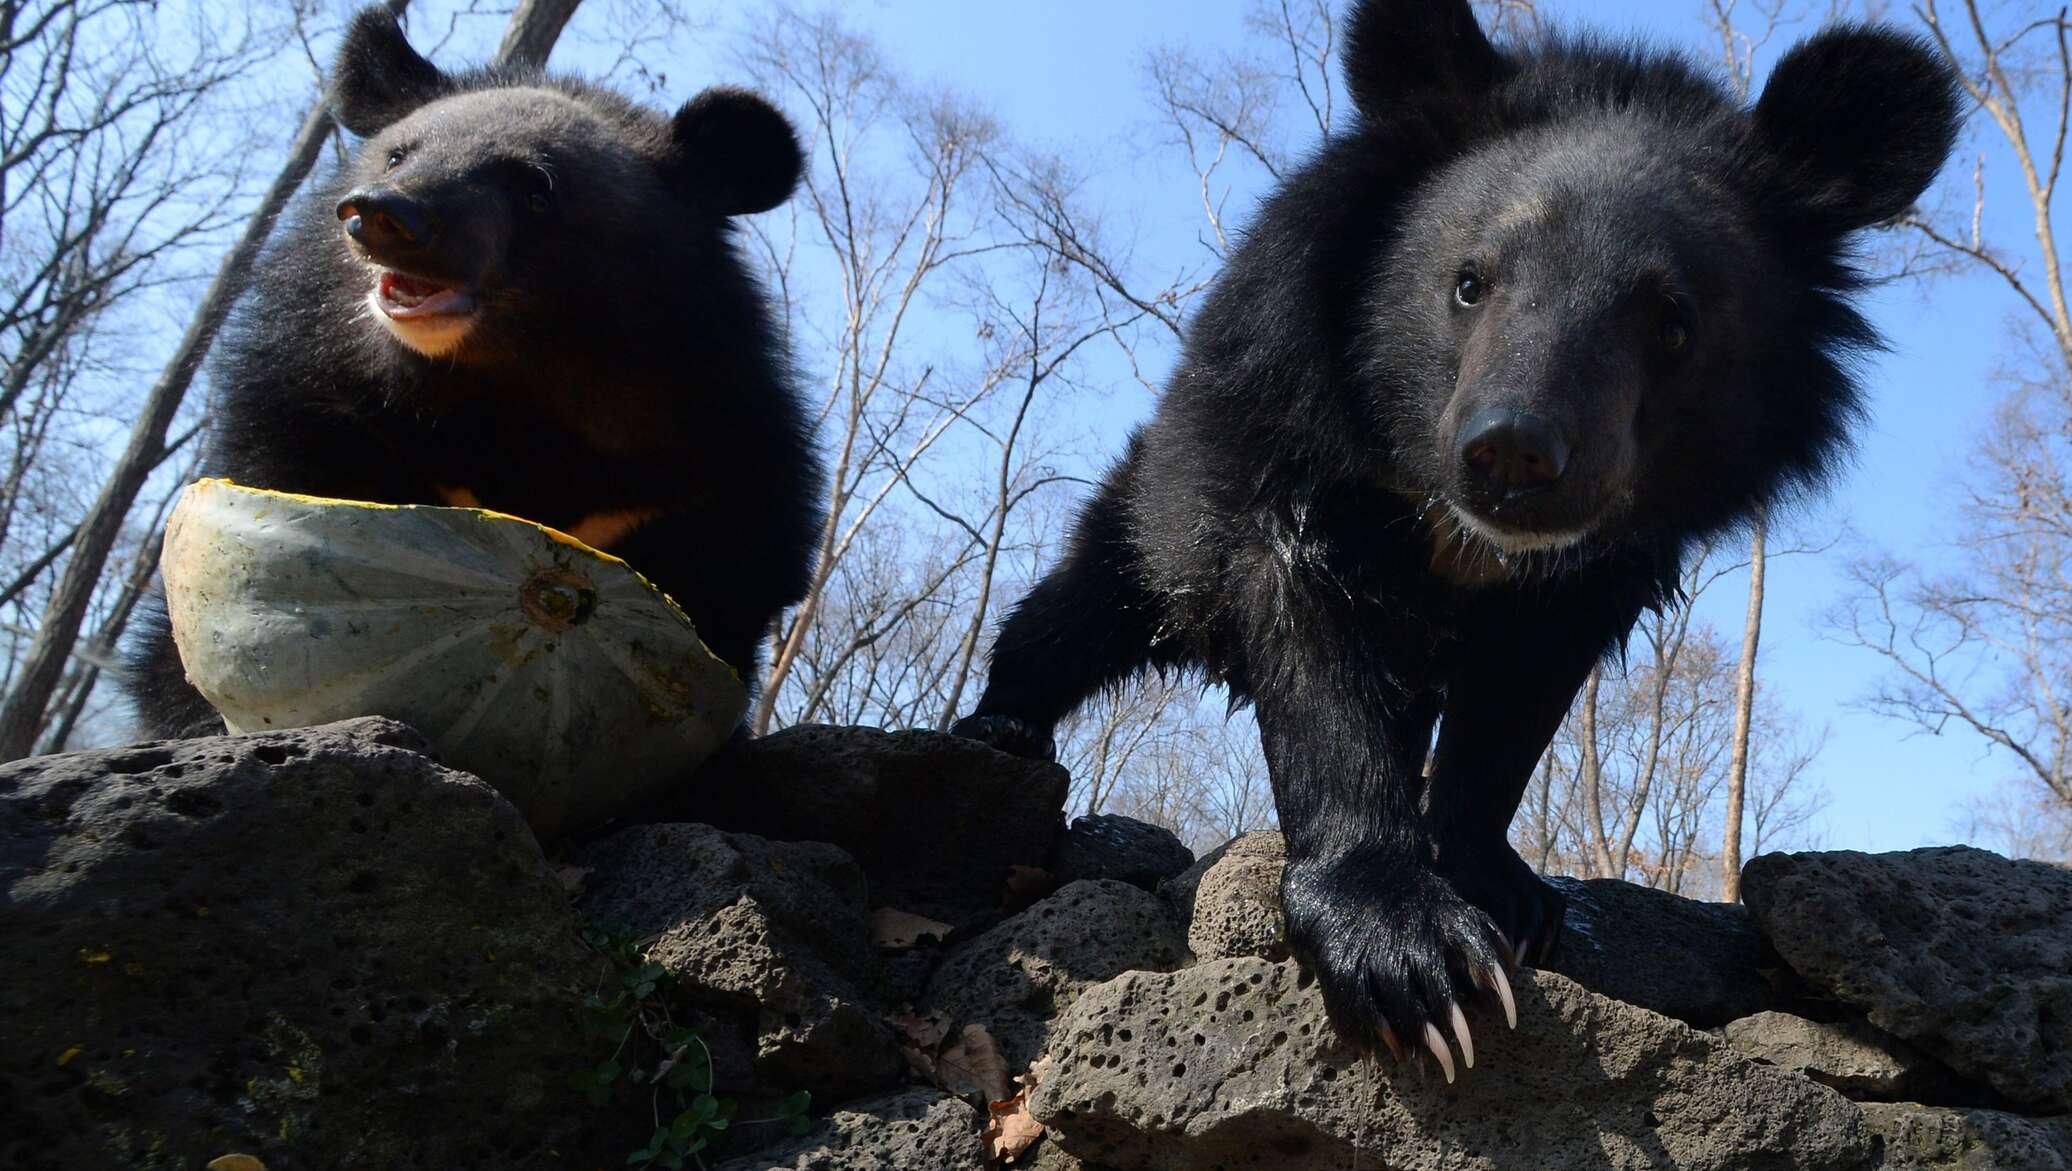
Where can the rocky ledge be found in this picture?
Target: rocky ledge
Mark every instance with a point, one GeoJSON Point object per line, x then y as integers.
{"type": "Point", "coordinates": [321, 949]}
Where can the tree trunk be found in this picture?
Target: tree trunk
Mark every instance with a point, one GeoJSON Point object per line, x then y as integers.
{"type": "Point", "coordinates": [1744, 714]}
{"type": "Point", "coordinates": [532, 31]}
{"type": "Point", "coordinates": [530, 37]}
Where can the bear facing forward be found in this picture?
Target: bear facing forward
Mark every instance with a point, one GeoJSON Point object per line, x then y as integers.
{"type": "Point", "coordinates": [522, 293]}
{"type": "Point", "coordinates": [1482, 374]}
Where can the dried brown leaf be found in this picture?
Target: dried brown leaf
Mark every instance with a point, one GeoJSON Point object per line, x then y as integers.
{"type": "Point", "coordinates": [571, 878]}
{"type": "Point", "coordinates": [896, 930]}
{"type": "Point", "coordinates": [1010, 1128]}
{"type": "Point", "coordinates": [972, 1064]}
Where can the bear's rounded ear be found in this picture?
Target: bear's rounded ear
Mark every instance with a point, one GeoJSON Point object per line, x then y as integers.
{"type": "Point", "coordinates": [735, 153]}
{"type": "Point", "coordinates": [1407, 54]}
{"type": "Point", "coordinates": [379, 78]}
{"type": "Point", "coordinates": [1859, 119]}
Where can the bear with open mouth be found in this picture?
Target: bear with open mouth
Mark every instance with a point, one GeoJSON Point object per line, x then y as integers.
{"type": "Point", "coordinates": [523, 292]}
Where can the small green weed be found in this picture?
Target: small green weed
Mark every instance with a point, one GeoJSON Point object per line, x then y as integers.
{"type": "Point", "coordinates": [630, 1011]}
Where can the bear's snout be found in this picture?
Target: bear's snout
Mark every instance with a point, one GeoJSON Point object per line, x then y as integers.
{"type": "Point", "coordinates": [1511, 453]}
{"type": "Point", "coordinates": [387, 223]}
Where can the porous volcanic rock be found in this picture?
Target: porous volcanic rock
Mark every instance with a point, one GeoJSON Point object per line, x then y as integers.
{"type": "Point", "coordinates": [1935, 1138]}
{"type": "Point", "coordinates": [1233, 1064]}
{"type": "Point", "coordinates": [778, 931]}
{"type": "Point", "coordinates": [913, 1130]}
{"type": "Point", "coordinates": [1235, 901]}
{"type": "Point", "coordinates": [1964, 953]}
{"type": "Point", "coordinates": [316, 947]}
{"type": "Point", "coordinates": [937, 821]}
{"type": "Point", "coordinates": [1016, 978]}
{"type": "Point", "coordinates": [1696, 961]}
{"type": "Point", "coordinates": [1851, 1055]}
{"type": "Point", "coordinates": [1109, 845]}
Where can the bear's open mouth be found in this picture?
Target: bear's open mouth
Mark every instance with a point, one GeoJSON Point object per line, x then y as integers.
{"type": "Point", "coordinates": [402, 297]}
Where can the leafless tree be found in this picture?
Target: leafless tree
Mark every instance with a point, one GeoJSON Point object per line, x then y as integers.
{"type": "Point", "coordinates": [1738, 49]}
{"type": "Point", "coordinates": [970, 286]}
{"type": "Point", "coordinates": [1986, 647]}
{"type": "Point", "coordinates": [1635, 784]}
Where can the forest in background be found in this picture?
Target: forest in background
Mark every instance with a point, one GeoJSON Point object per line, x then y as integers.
{"type": "Point", "coordinates": [959, 297]}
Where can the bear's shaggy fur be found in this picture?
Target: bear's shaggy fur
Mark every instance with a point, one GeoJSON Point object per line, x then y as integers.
{"type": "Point", "coordinates": [1481, 375]}
{"type": "Point", "coordinates": [606, 363]}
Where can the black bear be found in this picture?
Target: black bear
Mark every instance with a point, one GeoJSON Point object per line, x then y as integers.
{"type": "Point", "coordinates": [522, 292]}
{"type": "Point", "coordinates": [1482, 372]}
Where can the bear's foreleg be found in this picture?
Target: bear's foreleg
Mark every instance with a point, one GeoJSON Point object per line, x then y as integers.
{"type": "Point", "coordinates": [1502, 710]}
{"type": "Point", "coordinates": [1397, 951]}
{"type": "Point", "coordinates": [1088, 624]}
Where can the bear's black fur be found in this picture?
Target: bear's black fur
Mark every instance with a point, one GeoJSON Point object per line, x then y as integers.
{"type": "Point", "coordinates": [1481, 374]}
{"type": "Point", "coordinates": [619, 377]}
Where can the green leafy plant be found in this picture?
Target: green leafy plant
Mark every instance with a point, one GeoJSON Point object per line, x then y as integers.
{"type": "Point", "coordinates": [630, 1011]}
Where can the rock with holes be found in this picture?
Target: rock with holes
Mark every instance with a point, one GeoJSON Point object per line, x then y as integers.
{"type": "Point", "coordinates": [775, 932]}
{"type": "Point", "coordinates": [1696, 961]}
{"type": "Point", "coordinates": [1852, 1056]}
{"type": "Point", "coordinates": [1936, 1138]}
{"type": "Point", "coordinates": [1109, 845]}
{"type": "Point", "coordinates": [913, 1130]}
{"type": "Point", "coordinates": [316, 947]}
{"type": "Point", "coordinates": [937, 821]}
{"type": "Point", "coordinates": [1233, 1064]}
{"type": "Point", "coordinates": [1020, 975]}
{"type": "Point", "coordinates": [1234, 902]}
{"type": "Point", "coordinates": [1964, 953]}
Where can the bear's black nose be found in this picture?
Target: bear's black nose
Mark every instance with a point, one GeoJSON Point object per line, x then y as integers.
{"type": "Point", "coordinates": [1512, 452]}
{"type": "Point", "coordinates": [386, 220]}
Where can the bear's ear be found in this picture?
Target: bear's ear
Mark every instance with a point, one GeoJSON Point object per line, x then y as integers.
{"type": "Point", "coordinates": [735, 153]}
{"type": "Point", "coordinates": [1406, 54]}
{"type": "Point", "coordinates": [379, 78]}
{"type": "Point", "coordinates": [1860, 119]}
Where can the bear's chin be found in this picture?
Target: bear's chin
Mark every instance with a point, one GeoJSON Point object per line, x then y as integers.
{"type": "Point", "coordinates": [1517, 541]}
{"type": "Point", "coordinates": [434, 335]}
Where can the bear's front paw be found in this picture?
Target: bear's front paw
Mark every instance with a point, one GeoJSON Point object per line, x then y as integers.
{"type": "Point", "coordinates": [1008, 734]}
{"type": "Point", "coordinates": [1396, 952]}
{"type": "Point", "coordinates": [1525, 909]}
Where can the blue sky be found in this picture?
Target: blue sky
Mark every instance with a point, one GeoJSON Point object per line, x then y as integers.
{"type": "Point", "coordinates": [1070, 80]}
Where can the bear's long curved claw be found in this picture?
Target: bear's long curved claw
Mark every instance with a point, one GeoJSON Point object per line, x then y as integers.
{"type": "Point", "coordinates": [1437, 1045]}
{"type": "Point", "coordinates": [1462, 1036]}
{"type": "Point", "coordinates": [1503, 993]}
{"type": "Point", "coordinates": [1394, 1043]}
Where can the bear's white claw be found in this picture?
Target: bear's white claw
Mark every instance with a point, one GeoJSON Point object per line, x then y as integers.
{"type": "Point", "coordinates": [1462, 1036]}
{"type": "Point", "coordinates": [1437, 1044]}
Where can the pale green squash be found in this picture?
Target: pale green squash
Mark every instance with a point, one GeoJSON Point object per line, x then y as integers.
{"type": "Point", "coordinates": [549, 669]}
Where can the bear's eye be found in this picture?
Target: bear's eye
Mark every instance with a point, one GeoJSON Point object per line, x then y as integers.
{"type": "Point", "coordinates": [539, 201]}
{"type": "Point", "coordinates": [1674, 334]}
{"type": "Point", "coordinates": [395, 158]}
{"type": "Point", "coordinates": [1468, 290]}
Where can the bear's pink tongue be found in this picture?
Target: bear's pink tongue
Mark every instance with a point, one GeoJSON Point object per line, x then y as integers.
{"type": "Point", "coordinates": [408, 296]}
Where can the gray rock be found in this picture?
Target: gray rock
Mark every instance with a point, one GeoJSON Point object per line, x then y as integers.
{"type": "Point", "coordinates": [317, 947]}
{"type": "Point", "coordinates": [777, 930]}
{"type": "Point", "coordinates": [1237, 902]}
{"type": "Point", "coordinates": [1962, 952]}
{"type": "Point", "coordinates": [1695, 961]}
{"type": "Point", "coordinates": [1109, 845]}
{"type": "Point", "coordinates": [1221, 1064]}
{"type": "Point", "coordinates": [935, 820]}
{"type": "Point", "coordinates": [1018, 976]}
{"type": "Point", "coordinates": [1934, 1138]}
{"type": "Point", "coordinates": [914, 1130]}
{"type": "Point", "coordinates": [1851, 1056]}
